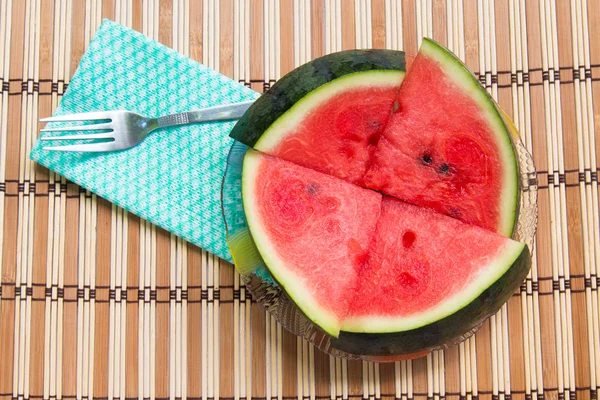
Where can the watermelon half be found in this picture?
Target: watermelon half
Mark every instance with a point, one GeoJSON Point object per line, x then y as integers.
{"type": "Point", "coordinates": [447, 146]}
{"type": "Point", "coordinates": [328, 114]}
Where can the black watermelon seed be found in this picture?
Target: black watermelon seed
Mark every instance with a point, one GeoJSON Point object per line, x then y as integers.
{"type": "Point", "coordinates": [395, 106]}
{"type": "Point", "coordinates": [426, 159]}
{"type": "Point", "coordinates": [444, 168]}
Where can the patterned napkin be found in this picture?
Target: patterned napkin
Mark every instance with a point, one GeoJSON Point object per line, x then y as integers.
{"type": "Point", "coordinates": [173, 178]}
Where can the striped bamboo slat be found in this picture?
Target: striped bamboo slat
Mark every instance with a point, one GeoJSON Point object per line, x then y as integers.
{"type": "Point", "coordinates": [98, 304]}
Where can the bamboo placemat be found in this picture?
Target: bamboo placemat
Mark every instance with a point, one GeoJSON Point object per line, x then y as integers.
{"type": "Point", "coordinates": [95, 303]}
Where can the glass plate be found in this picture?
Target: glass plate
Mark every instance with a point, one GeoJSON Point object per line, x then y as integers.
{"type": "Point", "coordinates": [270, 295]}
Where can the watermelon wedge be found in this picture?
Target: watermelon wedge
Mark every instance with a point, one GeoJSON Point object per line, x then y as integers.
{"type": "Point", "coordinates": [312, 230]}
{"type": "Point", "coordinates": [430, 278]}
{"type": "Point", "coordinates": [328, 114]}
{"type": "Point", "coordinates": [447, 146]}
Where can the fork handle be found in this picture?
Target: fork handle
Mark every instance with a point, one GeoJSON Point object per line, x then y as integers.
{"type": "Point", "coordinates": [218, 113]}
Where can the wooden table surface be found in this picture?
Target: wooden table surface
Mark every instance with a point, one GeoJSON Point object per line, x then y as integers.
{"type": "Point", "coordinates": [67, 257]}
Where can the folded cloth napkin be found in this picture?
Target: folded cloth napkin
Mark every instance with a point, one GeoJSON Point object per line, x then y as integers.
{"type": "Point", "coordinates": [173, 178]}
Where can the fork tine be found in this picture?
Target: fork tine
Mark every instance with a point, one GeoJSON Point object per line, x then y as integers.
{"type": "Point", "coordinates": [88, 148]}
{"type": "Point", "coordinates": [88, 116]}
{"type": "Point", "coordinates": [94, 127]}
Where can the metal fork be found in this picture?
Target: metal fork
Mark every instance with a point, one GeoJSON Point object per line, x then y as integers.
{"type": "Point", "coordinates": [125, 129]}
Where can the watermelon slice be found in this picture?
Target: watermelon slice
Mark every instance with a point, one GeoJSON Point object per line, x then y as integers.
{"type": "Point", "coordinates": [328, 114]}
{"type": "Point", "coordinates": [432, 277]}
{"type": "Point", "coordinates": [312, 230]}
{"type": "Point", "coordinates": [447, 146]}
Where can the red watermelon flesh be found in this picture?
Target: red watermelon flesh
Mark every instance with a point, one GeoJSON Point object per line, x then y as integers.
{"type": "Point", "coordinates": [423, 266]}
{"type": "Point", "coordinates": [312, 230]}
{"type": "Point", "coordinates": [338, 131]}
{"type": "Point", "coordinates": [446, 147]}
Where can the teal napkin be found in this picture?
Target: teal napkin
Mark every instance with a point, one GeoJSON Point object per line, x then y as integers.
{"type": "Point", "coordinates": [173, 178]}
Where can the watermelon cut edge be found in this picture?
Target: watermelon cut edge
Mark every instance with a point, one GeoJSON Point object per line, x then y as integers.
{"type": "Point", "coordinates": [456, 69]}
{"type": "Point", "coordinates": [286, 122]}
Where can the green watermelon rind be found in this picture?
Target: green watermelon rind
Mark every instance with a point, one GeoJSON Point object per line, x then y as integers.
{"type": "Point", "coordinates": [301, 81]}
{"type": "Point", "coordinates": [444, 332]}
{"type": "Point", "coordinates": [460, 73]}
{"type": "Point", "coordinates": [292, 284]}
{"type": "Point", "coordinates": [286, 123]}
{"type": "Point", "coordinates": [488, 275]}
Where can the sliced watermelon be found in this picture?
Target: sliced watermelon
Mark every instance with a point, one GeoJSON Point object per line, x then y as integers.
{"type": "Point", "coordinates": [429, 280]}
{"type": "Point", "coordinates": [391, 276]}
{"type": "Point", "coordinates": [328, 114]}
{"type": "Point", "coordinates": [312, 230]}
{"type": "Point", "coordinates": [335, 128]}
{"type": "Point", "coordinates": [447, 146]}
{"type": "Point", "coordinates": [424, 267]}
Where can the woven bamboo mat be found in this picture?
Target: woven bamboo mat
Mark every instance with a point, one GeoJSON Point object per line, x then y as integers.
{"type": "Point", "coordinates": [97, 304]}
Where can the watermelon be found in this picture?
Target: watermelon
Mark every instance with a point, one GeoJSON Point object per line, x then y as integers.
{"type": "Point", "coordinates": [328, 114]}
{"type": "Point", "coordinates": [312, 230]}
{"type": "Point", "coordinates": [447, 146]}
{"type": "Point", "coordinates": [428, 278]}
{"type": "Point", "coordinates": [412, 270]}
